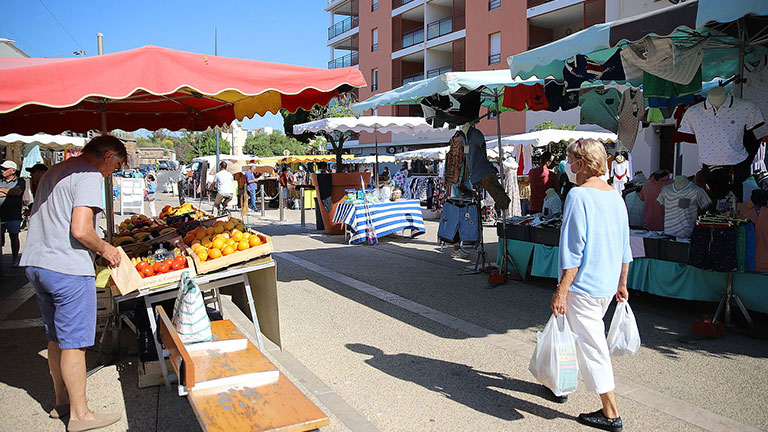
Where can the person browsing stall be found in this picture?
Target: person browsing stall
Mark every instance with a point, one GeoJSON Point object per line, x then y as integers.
{"type": "Point", "coordinates": [286, 178]}
{"type": "Point", "coordinates": [541, 178]}
{"type": "Point", "coordinates": [151, 193]}
{"type": "Point", "coordinates": [593, 265]}
{"type": "Point", "coordinates": [224, 182]}
{"type": "Point", "coordinates": [252, 185]}
{"type": "Point", "coordinates": [11, 190]}
{"type": "Point", "coordinates": [59, 259]}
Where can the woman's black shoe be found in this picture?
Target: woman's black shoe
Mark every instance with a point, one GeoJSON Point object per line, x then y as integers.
{"type": "Point", "coordinates": [554, 398]}
{"type": "Point", "coordinates": [598, 420]}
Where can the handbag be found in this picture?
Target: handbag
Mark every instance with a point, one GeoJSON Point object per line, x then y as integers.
{"type": "Point", "coordinates": [189, 315]}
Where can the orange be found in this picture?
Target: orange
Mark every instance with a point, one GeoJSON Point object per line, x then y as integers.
{"type": "Point", "coordinates": [226, 235]}
{"type": "Point", "coordinates": [237, 236]}
{"type": "Point", "coordinates": [246, 235]}
{"type": "Point", "coordinates": [194, 245]}
{"type": "Point", "coordinates": [228, 250]}
{"type": "Point", "coordinates": [200, 249]}
{"type": "Point", "coordinates": [231, 242]}
{"type": "Point", "coordinates": [254, 240]}
{"type": "Point", "coordinates": [214, 253]}
{"type": "Point", "coordinates": [210, 231]}
{"type": "Point", "coordinates": [243, 245]}
{"type": "Point", "coordinates": [203, 256]}
{"type": "Point", "coordinates": [218, 243]}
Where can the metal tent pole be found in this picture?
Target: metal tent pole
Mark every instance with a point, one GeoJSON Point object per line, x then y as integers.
{"type": "Point", "coordinates": [742, 46]}
{"type": "Point", "coordinates": [501, 169]}
{"type": "Point", "coordinates": [376, 147]}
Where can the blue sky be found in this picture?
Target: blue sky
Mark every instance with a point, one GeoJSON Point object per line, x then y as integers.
{"type": "Point", "coordinates": [284, 31]}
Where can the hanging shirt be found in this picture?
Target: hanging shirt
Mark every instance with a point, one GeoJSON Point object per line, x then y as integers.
{"type": "Point", "coordinates": [479, 165]}
{"type": "Point", "coordinates": [681, 207]}
{"type": "Point", "coordinates": [756, 88]}
{"type": "Point", "coordinates": [541, 179]}
{"type": "Point", "coordinates": [620, 173]}
{"type": "Point", "coordinates": [635, 209]}
{"type": "Point", "coordinates": [601, 107]}
{"type": "Point", "coordinates": [662, 58]}
{"type": "Point", "coordinates": [653, 219]}
{"type": "Point", "coordinates": [552, 203]}
{"type": "Point", "coordinates": [758, 216]}
{"type": "Point", "coordinates": [631, 110]}
{"type": "Point", "coordinates": [454, 159]}
{"type": "Point", "coordinates": [720, 131]}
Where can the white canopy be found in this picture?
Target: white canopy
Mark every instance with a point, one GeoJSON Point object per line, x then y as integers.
{"type": "Point", "coordinates": [45, 141]}
{"type": "Point", "coordinates": [543, 137]}
{"type": "Point", "coordinates": [371, 159]}
{"type": "Point", "coordinates": [427, 154]}
{"type": "Point", "coordinates": [384, 124]}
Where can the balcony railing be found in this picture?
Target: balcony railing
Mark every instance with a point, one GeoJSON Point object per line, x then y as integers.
{"type": "Point", "coordinates": [532, 3]}
{"type": "Point", "coordinates": [439, 28]}
{"type": "Point", "coordinates": [438, 71]}
{"type": "Point", "coordinates": [494, 58]}
{"type": "Point", "coordinates": [397, 3]}
{"type": "Point", "coordinates": [348, 60]}
{"type": "Point", "coordinates": [342, 27]}
{"type": "Point", "coordinates": [494, 4]}
{"type": "Point", "coordinates": [413, 37]}
{"type": "Point", "coordinates": [412, 78]}
{"type": "Point", "coordinates": [374, 47]}
{"type": "Point", "coordinates": [375, 5]}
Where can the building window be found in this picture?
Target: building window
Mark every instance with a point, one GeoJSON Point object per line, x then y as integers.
{"type": "Point", "coordinates": [374, 80]}
{"type": "Point", "coordinates": [375, 5]}
{"type": "Point", "coordinates": [494, 48]}
{"type": "Point", "coordinates": [375, 39]}
{"type": "Point", "coordinates": [494, 4]}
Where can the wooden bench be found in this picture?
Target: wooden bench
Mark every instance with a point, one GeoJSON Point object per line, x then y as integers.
{"type": "Point", "coordinates": [232, 386]}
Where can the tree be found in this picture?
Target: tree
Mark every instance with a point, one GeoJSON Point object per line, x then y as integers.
{"type": "Point", "coordinates": [549, 125]}
{"type": "Point", "coordinates": [299, 117]}
{"type": "Point", "coordinates": [265, 145]}
{"type": "Point", "coordinates": [204, 144]}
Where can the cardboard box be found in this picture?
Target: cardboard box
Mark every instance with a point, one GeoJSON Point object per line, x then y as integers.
{"type": "Point", "coordinates": [127, 279]}
{"type": "Point", "coordinates": [151, 375]}
{"type": "Point", "coordinates": [238, 257]}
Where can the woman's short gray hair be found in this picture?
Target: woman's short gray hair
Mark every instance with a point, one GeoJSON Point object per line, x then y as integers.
{"type": "Point", "coordinates": [592, 153]}
{"type": "Point", "coordinates": [100, 145]}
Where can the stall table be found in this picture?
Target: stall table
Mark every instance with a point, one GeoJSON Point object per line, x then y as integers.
{"type": "Point", "coordinates": [386, 217]}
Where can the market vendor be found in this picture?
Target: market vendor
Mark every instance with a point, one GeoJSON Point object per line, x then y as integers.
{"type": "Point", "coordinates": [59, 259]}
{"type": "Point", "coordinates": [11, 190]}
{"type": "Point", "coordinates": [252, 185]}
{"type": "Point", "coordinates": [541, 179]}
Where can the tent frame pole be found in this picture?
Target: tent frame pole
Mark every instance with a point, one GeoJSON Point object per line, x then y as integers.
{"type": "Point", "coordinates": [108, 194]}
{"type": "Point", "coordinates": [503, 264]}
{"type": "Point", "coordinates": [376, 149]}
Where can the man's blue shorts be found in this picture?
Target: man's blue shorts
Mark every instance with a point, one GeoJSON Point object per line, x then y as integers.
{"type": "Point", "coordinates": [461, 222]}
{"type": "Point", "coordinates": [68, 305]}
{"type": "Point", "coordinates": [12, 226]}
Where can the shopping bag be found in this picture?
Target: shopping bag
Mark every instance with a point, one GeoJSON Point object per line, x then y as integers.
{"type": "Point", "coordinates": [554, 360]}
{"type": "Point", "coordinates": [623, 336]}
{"type": "Point", "coordinates": [189, 315]}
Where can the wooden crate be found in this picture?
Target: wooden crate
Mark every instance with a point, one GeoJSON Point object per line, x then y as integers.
{"type": "Point", "coordinates": [150, 374]}
{"type": "Point", "coordinates": [238, 257]}
{"type": "Point", "coordinates": [127, 279]}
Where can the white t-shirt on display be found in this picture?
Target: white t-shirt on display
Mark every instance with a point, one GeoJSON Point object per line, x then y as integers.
{"type": "Point", "coordinates": [225, 182]}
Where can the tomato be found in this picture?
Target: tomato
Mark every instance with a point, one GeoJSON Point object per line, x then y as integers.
{"type": "Point", "coordinates": [177, 265]}
{"type": "Point", "coordinates": [164, 268]}
{"type": "Point", "coordinates": [168, 261]}
{"type": "Point", "coordinates": [181, 259]}
{"type": "Point", "coordinates": [156, 267]}
{"type": "Point", "coordinates": [148, 271]}
{"type": "Point", "coordinates": [140, 266]}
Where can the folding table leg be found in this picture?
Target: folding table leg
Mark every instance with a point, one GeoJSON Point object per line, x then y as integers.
{"type": "Point", "coordinates": [252, 307]}
{"type": "Point", "coordinates": [158, 348]}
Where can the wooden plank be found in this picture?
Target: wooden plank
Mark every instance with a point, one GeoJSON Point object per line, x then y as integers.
{"type": "Point", "coordinates": [176, 349]}
{"type": "Point", "coordinates": [272, 407]}
{"type": "Point", "coordinates": [214, 364]}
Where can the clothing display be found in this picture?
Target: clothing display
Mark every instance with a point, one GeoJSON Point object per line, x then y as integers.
{"type": "Point", "coordinates": [653, 219]}
{"type": "Point", "coordinates": [553, 205]}
{"type": "Point", "coordinates": [631, 110]}
{"type": "Point", "coordinates": [722, 179]}
{"type": "Point", "coordinates": [524, 160]}
{"type": "Point", "coordinates": [663, 58]}
{"type": "Point", "coordinates": [656, 87]}
{"type": "Point", "coordinates": [578, 69]}
{"type": "Point", "coordinates": [558, 97]}
{"type": "Point", "coordinates": [720, 131]}
{"type": "Point", "coordinates": [620, 173]}
{"type": "Point", "coordinates": [477, 161]}
{"type": "Point", "coordinates": [601, 107]}
{"type": "Point", "coordinates": [522, 97]}
{"type": "Point", "coordinates": [399, 179]}
{"type": "Point", "coordinates": [540, 178]}
{"type": "Point", "coordinates": [756, 89]}
{"type": "Point", "coordinates": [681, 207]}
{"type": "Point", "coordinates": [416, 187]}
{"type": "Point", "coordinates": [759, 216]}
{"type": "Point", "coordinates": [512, 189]}
{"type": "Point", "coordinates": [490, 183]}
{"type": "Point", "coordinates": [454, 159]}
{"type": "Point", "coordinates": [635, 209]}
{"type": "Point", "coordinates": [758, 165]}
{"type": "Point", "coordinates": [458, 222]}
{"type": "Point", "coordinates": [714, 248]}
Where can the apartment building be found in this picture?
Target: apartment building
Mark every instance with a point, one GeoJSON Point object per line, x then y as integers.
{"type": "Point", "coordinates": [394, 42]}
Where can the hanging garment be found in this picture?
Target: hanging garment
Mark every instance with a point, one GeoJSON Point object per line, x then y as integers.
{"type": "Point", "coordinates": [662, 58]}
{"type": "Point", "coordinates": [631, 111]}
{"type": "Point", "coordinates": [758, 165]}
{"type": "Point", "coordinates": [635, 209]}
{"type": "Point", "coordinates": [524, 160]}
{"type": "Point", "coordinates": [714, 248]}
{"type": "Point", "coordinates": [553, 205]}
{"type": "Point", "coordinates": [32, 156]}
{"type": "Point", "coordinates": [653, 219]}
{"type": "Point", "coordinates": [555, 94]}
{"type": "Point", "coordinates": [756, 88]}
{"type": "Point", "coordinates": [454, 159]}
{"type": "Point", "coordinates": [601, 107]}
{"type": "Point", "coordinates": [613, 69]}
{"type": "Point", "coordinates": [541, 178]}
{"type": "Point", "coordinates": [720, 131]}
{"type": "Point", "coordinates": [511, 187]}
{"type": "Point", "coordinates": [759, 216]}
{"type": "Point", "coordinates": [669, 93]}
{"type": "Point", "coordinates": [477, 161]}
{"type": "Point", "coordinates": [578, 69]}
{"type": "Point", "coordinates": [620, 174]}
{"type": "Point", "coordinates": [522, 96]}
{"type": "Point", "coordinates": [681, 207]}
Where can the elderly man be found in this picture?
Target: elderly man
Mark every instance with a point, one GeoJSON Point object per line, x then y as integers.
{"type": "Point", "coordinates": [252, 185]}
{"type": "Point", "coordinates": [11, 191]}
{"type": "Point", "coordinates": [59, 259]}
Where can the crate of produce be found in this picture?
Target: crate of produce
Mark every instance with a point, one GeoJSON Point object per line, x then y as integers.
{"type": "Point", "coordinates": [139, 270]}
{"type": "Point", "coordinates": [545, 236]}
{"type": "Point", "coordinates": [514, 232]}
{"type": "Point", "coordinates": [141, 229]}
{"type": "Point", "coordinates": [225, 243]}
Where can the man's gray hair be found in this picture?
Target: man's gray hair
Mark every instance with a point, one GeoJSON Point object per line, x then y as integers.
{"type": "Point", "coordinates": [101, 144]}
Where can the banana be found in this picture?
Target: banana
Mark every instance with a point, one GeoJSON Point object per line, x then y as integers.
{"type": "Point", "coordinates": [123, 240]}
{"type": "Point", "coordinates": [167, 230]}
{"type": "Point", "coordinates": [140, 237]}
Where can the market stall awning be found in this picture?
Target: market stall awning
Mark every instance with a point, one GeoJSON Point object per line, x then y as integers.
{"type": "Point", "coordinates": [371, 159]}
{"type": "Point", "coordinates": [544, 137]}
{"type": "Point", "coordinates": [153, 87]}
{"type": "Point", "coordinates": [45, 141]}
{"type": "Point", "coordinates": [372, 124]}
{"type": "Point", "coordinates": [446, 84]}
{"type": "Point", "coordinates": [272, 160]}
{"type": "Point", "coordinates": [689, 21]}
{"type": "Point", "coordinates": [428, 154]}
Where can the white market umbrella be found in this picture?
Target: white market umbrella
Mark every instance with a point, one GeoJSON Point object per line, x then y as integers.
{"type": "Point", "coordinates": [45, 141]}
{"type": "Point", "coordinates": [544, 137]}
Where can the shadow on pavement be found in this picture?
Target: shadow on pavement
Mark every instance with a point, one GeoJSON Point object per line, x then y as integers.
{"type": "Point", "coordinates": [473, 388]}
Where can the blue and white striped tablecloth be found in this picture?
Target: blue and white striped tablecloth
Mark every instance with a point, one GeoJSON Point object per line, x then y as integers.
{"type": "Point", "coordinates": [387, 218]}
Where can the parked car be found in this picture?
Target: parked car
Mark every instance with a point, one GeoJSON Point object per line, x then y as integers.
{"type": "Point", "coordinates": [163, 165]}
{"type": "Point", "coordinates": [146, 169]}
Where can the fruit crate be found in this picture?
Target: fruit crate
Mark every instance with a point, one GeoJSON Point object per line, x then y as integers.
{"type": "Point", "coordinates": [264, 249]}
{"type": "Point", "coordinates": [127, 279]}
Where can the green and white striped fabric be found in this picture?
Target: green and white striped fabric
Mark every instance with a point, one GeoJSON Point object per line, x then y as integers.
{"type": "Point", "coordinates": [189, 315]}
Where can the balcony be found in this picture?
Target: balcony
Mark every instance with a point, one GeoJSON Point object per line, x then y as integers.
{"type": "Point", "coordinates": [348, 60]}
{"type": "Point", "coordinates": [495, 4]}
{"type": "Point", "coordinates": [413, 78]}
{"type": "Point", "coordinates": [439, 28]}
{"type": "Point", "coordinates": [438, 71]}
{"type": "Point", "coordinates": [342, 27]}
{"type": "Point", "coordinates": [413, 37]}
{"type": "Point", "coordinates": [494, 58]}
{"type": "Point", "coordinates": [534, 3]}
{"type": "Point", "coordinates": [397, 3]}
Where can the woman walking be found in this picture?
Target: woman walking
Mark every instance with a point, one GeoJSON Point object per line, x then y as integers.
{"type": "Point", "coordinates": [151, 194]}
{"type": "Point", "coordinates": [594, 262]}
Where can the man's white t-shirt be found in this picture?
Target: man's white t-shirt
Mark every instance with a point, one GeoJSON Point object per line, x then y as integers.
{"type": "Point", "coordinates": [225, 182]}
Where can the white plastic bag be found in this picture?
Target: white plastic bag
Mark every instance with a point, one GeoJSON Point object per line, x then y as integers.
{"type": "Point", "coordinates": [623, 336]}
{"type": "Point", "coordinates": [554, 360]}
{"type": "Point", "coordinates": [189, 314]}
